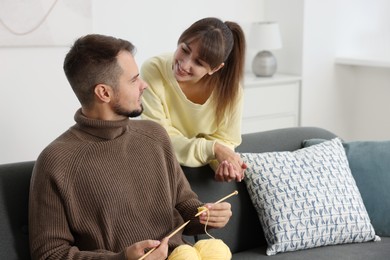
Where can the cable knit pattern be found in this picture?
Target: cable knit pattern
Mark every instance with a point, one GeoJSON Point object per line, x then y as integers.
{"type": "Point", "coordinates": [104, 185]}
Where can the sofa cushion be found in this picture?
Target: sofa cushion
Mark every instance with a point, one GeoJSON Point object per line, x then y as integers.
{"type": "Point", "coordinates": [307, 198]}
{"type": "Point", "coordinates": [370, 166]}
{"type": "Point", "coordinates": [355, 251]}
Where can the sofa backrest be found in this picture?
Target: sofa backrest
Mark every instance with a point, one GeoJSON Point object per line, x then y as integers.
{"type": "Point", "coordinates": [285, 139]}
{"type": "Point", "coordinates": [14, 189]}
{"type": "Point", "coordinates": [243, 230]}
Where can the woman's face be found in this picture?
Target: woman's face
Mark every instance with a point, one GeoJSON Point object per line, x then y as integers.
{"type": "Point", "coordinates": [187, 66]}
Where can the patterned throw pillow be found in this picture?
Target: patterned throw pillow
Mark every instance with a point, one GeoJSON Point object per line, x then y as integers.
{"type": "Point", "coordinates": [307, 198]}
{"type": "Point", "coordinates": [370, 166]}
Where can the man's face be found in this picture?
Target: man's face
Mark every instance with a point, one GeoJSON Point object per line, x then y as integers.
{"type": "Point", "coordinates": [127, 95]}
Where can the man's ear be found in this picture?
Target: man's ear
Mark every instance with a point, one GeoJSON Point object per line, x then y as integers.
{"type": "Point", "coordinates": [103, 92]}
{"type": "Point", "coordinates": [217, 68]}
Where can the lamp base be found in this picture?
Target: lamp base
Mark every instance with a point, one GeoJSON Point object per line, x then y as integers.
{"type": "Point", "coordinates": [264, 64]}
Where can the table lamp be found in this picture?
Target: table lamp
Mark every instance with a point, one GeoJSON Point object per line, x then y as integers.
{"type": "Point", "coordinates": [265, 36]}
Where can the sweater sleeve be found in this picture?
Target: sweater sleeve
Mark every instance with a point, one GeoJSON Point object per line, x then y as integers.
{"type": "Point", "coordinates": [187, 201]}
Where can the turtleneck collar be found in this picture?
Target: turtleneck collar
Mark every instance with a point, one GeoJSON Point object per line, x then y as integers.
{"type": "Point", "coordinates": [101, 128]}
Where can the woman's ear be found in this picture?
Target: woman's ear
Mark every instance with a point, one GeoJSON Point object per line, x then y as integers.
{"type": "Point", "coordinates": [217, 68]}
{"type": "Point", "coordinates": [103, 92]}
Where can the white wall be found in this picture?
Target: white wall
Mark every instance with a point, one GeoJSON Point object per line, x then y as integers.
{"type": "Point", "coordinates": [38, 104]}
{"type": "Point", "coordinates": [289, 15]}
{"type": "Point", "coordinates": [366, 34]}
{"type": "Point", "coordinates": [351, 101]}
{"type": "Point", "coordinates": [154, 26]}
{"type": "Point", "coordinates": [321, 104]}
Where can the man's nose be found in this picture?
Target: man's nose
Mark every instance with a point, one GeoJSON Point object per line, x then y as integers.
{"type": "Point", "coordinates": [144, 85]}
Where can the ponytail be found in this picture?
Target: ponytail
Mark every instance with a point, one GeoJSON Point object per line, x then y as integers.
{"type": "Point", "coordinates": [231, 75]}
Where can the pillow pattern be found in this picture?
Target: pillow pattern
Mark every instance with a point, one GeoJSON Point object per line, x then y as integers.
{"type": "Point", "coordinates": [307, 198]}
{"type": "Point", "coordinates": [369, 162]}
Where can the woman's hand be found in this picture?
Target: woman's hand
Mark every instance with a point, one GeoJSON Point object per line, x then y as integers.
{"type": "Point", "coordinates": [231, 167]}
{"type": "Point", "coordinates": [137, 250]}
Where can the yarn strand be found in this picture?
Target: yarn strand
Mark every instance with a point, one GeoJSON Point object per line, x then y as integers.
{"type": "Point", "coordinates": [205, 226]}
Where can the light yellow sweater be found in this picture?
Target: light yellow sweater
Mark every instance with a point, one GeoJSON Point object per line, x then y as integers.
{"type": "Point", "coordinates": [192, 127]}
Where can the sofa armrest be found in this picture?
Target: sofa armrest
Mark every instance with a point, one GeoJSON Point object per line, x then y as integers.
{"type": "Point", "coordinates": [14, 191]}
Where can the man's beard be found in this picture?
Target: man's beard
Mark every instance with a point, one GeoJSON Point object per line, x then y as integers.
{"type": "Point", "coordinates": [123, 112]}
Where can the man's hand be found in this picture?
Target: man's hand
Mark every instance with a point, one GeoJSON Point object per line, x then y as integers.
{"type": "Point", "coordinates": [137, 250]}
{"type": "Point", "coordinates": [218, 214]}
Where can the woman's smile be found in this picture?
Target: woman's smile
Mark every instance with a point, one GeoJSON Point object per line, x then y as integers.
{"type": "Point", "coordinates": [179, 71]}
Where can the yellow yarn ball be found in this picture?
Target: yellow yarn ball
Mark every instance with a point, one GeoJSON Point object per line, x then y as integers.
{"type": "Point", "coordinates": [184, 252]}
{"type": "Point", "coordinates": [213, 249]}
{"type": "Point", "coordinates": [206, 249]}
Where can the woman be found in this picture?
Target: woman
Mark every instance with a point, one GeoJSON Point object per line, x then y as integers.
{"type": "Point", "coordinates": [196, 95]}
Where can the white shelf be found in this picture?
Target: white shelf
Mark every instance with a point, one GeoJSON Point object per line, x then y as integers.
{"type": "Point", "coordinates": [277, 78]}
{"type": "Point", "coordinates": [365, 62]}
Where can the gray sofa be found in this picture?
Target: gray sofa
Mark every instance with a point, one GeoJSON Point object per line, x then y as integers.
{"type": "Point", "coordinates": [243, 234]}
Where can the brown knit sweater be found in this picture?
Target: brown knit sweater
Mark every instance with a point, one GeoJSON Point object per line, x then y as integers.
{"type": "Point", "coordinates": [104, 185]}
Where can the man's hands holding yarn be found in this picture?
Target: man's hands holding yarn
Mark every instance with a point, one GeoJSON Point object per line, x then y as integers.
{"type": "Point", "coordinates": [231, 167]}
{"type": "Point", "coordinates": [217, 215]}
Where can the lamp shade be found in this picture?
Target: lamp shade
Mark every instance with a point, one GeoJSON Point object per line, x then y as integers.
{"type": "Point", "coordinates": [265, 36]}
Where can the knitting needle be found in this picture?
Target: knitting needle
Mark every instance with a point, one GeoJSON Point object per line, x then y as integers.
{"type": "Point", "coordinates": [177, 230]}
{"type": "Point", "coordinates": [169, 236]}
{"type": "Point", "coordinates": [224, 198]}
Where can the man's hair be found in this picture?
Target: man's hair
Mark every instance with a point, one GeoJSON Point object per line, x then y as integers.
{"type": "Point", "coordinates": [92, 60]}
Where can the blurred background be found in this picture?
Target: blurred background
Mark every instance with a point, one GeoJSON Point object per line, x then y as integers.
{"type": "Point", "coordinates": [337, 51]}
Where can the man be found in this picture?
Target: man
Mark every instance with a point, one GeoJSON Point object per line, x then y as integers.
{"type": "Point", "coordinates": [110, 187]}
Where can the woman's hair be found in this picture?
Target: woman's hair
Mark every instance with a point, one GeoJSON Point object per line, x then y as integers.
{"type": "Point", "coordinates": [220, 42]}
{"type": "Point", "coordinates": [92, 60]}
